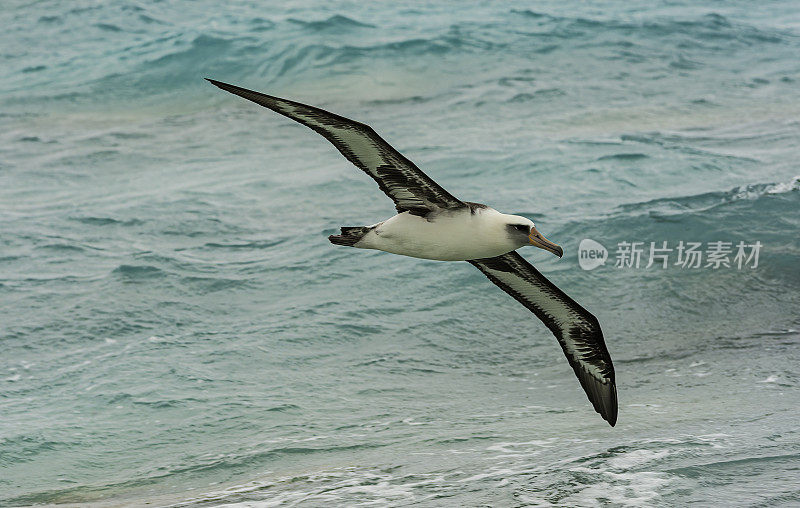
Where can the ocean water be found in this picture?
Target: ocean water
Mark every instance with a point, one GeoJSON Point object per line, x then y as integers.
{"type": "Point", "coordinates": [177, 331]}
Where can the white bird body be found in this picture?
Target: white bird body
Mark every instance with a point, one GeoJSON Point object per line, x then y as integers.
{"type": "Point", "coordinates": [456, 235]}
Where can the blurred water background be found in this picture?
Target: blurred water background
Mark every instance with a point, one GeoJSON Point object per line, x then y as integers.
{"type": "Point", "coordinates": [177, 330]}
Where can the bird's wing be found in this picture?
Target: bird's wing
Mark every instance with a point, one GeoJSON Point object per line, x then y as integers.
{"type": "Point", "coordinates": [409, 188]}
{"type": "Point", "coordinates": [576, 329]}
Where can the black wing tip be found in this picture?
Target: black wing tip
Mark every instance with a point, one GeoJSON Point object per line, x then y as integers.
{"type": "Point", "coordinates": [602, 394]}
{"type": "Point", "coordinates": [220, 84]}
{"type": "Point", "coordinates": [608, 405]}
{"type": "Point", "coordinates": [262, 99]}
{"type": "Point", "coordinates": [611, 416]}
{"type": "Point", "coordinates": [236, 90]}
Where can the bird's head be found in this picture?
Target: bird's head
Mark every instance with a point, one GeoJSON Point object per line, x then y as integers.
{"type": "Point", "coordinates": [523, 232]}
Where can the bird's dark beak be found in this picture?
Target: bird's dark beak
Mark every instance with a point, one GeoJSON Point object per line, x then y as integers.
{"type": "Point", "coordinates": [538, 240]}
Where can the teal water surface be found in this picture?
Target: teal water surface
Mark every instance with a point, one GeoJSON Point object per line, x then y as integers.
{"type": "Point", "coordinates": [177, 330]}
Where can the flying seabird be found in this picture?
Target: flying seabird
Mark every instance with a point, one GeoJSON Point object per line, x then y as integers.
{"type": "Point", "coordinates": [433, 224]}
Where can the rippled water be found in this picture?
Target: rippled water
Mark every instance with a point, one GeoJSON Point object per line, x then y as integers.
{"type": "Point", "coordinates": [176, 328]}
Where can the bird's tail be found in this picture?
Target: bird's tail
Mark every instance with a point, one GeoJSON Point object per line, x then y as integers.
{"type": "Point", "coordinates": [350, 235]}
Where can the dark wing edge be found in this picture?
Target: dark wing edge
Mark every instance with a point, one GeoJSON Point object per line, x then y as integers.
{"type": "Point", "coordinates": [401, 180]}
{"type": "Point", "coordinates": [577, 330]}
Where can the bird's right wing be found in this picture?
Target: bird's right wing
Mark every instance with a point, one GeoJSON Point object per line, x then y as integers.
{"type": "Point", "coordinates": [576, 329]}
{"type": "Point", "coordinates": [406, 184]}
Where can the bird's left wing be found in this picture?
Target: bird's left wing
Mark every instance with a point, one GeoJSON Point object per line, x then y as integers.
{"type": "Point", "coordinates": [576, 329]}
{"type": "Point", "coordinates": [406, 184]}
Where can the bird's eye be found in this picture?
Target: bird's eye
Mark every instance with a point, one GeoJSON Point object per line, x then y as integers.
{"type": "Point", "coordinates": [521, 227]}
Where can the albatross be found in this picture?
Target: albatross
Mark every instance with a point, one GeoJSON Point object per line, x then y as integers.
{"type": "Point", "coordinates": [431, 223]}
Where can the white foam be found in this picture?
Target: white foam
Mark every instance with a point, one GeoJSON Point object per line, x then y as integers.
{"type": "Point", "coordinates": [329, 488]}
{"type": "Point", "coordinates": [627, 489]}
{"type": "Point", "coordinates": [780, 188]}
{"type": "Point", "coordinates": [410, 421]}
{"type": "Point", "coordinates": [511, 447]}
{"type": "Point", "coordinates": [635, 458]}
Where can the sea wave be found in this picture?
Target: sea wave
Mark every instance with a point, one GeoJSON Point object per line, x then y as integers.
{"type": "Point", "coordinates": [692, 204]}
{"type": "Point", "coordinates": [154, 56]}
